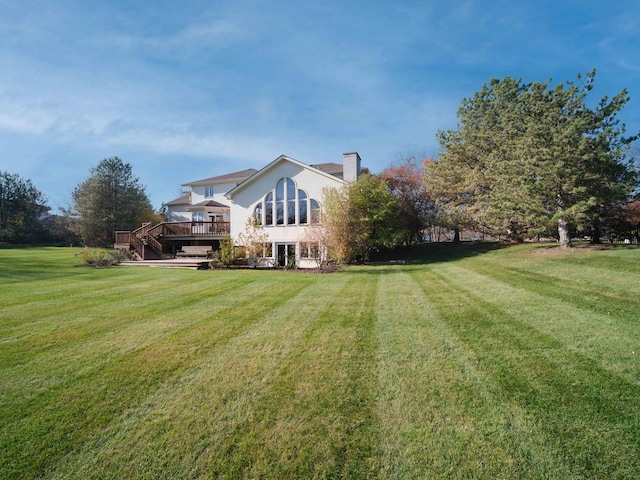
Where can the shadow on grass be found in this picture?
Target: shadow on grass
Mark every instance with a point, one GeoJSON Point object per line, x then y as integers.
{"type": "Point", "coordinates": [429, 253]}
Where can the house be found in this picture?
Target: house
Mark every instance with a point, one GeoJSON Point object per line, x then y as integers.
{"type": "Point", "coordinates": [283, 200]}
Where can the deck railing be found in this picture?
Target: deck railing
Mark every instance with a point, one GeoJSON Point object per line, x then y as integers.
{"type": "Point", "coordinates": [196, 229]}
{"type": "Point", "coordinates": [175, 229]}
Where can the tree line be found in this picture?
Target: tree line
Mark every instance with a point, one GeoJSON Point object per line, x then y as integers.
{"type": "Point", "coordinates": [111, 198]}
{"type": "Point", "coordinates": [527, 160]}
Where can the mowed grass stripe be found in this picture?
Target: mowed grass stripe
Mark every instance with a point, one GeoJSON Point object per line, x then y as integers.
{"type": "Point", "coordinates": [239, 411]}
{"type": "Point", "coordinates": [119, 332]}
{"type": "Point", "coordinates": [606, 329]}
{"type": "Point", "coordinates": [439, 416]}
{"type": "Point", "coordinates": [58, 327]}
{"type": "Point", "coordinates": [59, 420]}
{"type": "Point", "coordinates": [595, 290]}
{"type": "Point", "coordinates": [325, 425]}
{"type": "Point", "coordinates": [536, 373]}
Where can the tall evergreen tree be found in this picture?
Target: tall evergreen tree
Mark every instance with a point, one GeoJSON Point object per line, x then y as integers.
{"type": "Point", "coordinates": [527, 157]}
{"type": "Point", "coordinates": [110, 199]}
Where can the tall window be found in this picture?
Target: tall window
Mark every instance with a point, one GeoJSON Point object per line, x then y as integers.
{"type": "Point", "coordinates": [280, 202]}
{"type": "Point", "coordinates": [286, 205]}
{"type": "Point", "coordinates": [291, 202]}
{"type": "Point", "coordinates": [315, 211]}
{"type": "Point", "coordinates": [268, 209]}
{"type": "Point", "coordinates": [208, 191]}
{"type": "Point", "coordinates": [303, 206]}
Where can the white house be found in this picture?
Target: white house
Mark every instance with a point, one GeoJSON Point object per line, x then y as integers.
{"type": "Point", "coordinates": [284, 198]}
{"type": "Point", "coordinates": [205, 199]}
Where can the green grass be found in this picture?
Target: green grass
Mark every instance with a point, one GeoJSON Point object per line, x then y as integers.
{"type": "Point", "coordinates": [519, 362]}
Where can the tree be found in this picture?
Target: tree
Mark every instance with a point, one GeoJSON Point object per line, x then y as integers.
{"type": "Point", "coordinates": [58, 229]}
{"type": "Point", "coordinates": [111, 198]}
{"type": "Point", "coordinates": [21, 207]}
{"type": "Point", "coordinates": [527, 156]}
{"type": "Point", "coordinates": [360, 218]}
{"type": "Point", "coordinates": [417, 210]}
{"type": "Point", "coordinates": [254, 241]}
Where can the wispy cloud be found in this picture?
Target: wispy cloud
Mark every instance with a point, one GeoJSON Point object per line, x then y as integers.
{"type": "Point", "coordinates": [235, 84]}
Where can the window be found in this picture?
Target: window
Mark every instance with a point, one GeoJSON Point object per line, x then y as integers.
{"type": "Point", "coordinates": [208, 191]}
{"type": "Point", "coordinates": [286, 254]}
{"type": "Point", "coordinates": [197, 216]}
{"type": "Point", "coordinates": [315, 211]}
{"type": "Point", "coordinates": [280, 202]}
{"type": "Point", "coordinates": [303, 206]}
{"type": "Point", "coordinates": [291, 202]}
{"type": "Point", "coordinates": [257, 214]}
{"type": "Point", "coordinates": [267, 250]}
{"type": "Point", "coordinates": [286, 205]}
{"type": "Point", "coordinates": [268, 209]}
{"type": "Point", "coordinates": [309, 250]}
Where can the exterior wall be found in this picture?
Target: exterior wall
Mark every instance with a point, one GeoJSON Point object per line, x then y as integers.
{"type": "Point", "coordinates": [178, 214]}
{"type": "Point", "coordinates": [244, 202]}
{"type": "Point", "coordinates": [219, 191]}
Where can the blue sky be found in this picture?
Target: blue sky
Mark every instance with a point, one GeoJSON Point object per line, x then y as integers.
{"type": "Point", "coordinates": [184, 90]}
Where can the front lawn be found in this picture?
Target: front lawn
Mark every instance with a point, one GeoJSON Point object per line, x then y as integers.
{"type": "Point", "coordinates": [518, 362]}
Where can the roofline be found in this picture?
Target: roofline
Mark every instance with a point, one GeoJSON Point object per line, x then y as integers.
{"type": "Point", "coordinates": [271, 165]}
{"type": "Point", "coordinates": [214, 180]}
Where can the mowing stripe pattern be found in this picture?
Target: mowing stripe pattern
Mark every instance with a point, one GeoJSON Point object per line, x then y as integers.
{"type": "Point", "coordinates": [497, 363]}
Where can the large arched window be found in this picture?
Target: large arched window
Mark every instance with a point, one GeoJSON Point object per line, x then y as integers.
{"type": "Point", "coordinates": [287, 205]}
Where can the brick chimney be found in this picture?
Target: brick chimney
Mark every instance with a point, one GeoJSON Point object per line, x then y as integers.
{"type": "Point", "coordinates": [350, 166]}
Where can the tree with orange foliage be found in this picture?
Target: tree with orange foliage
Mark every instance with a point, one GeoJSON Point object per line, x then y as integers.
{"type": "Point", "coordinates": [406, 183]}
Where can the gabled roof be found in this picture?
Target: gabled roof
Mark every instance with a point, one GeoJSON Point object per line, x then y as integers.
{"type": "Point", "coordinates": [208, 206]}
{"type": "Point", "coordinates": [210, 203]}
{"type": "Point", "coordinates": [183, 200]}
{"type": "Point", "coordinates": [332, 168]}
{"type": "Point", "coordinates": [279, 160]}
{"type": "Point", "coordinates": [229, 177]}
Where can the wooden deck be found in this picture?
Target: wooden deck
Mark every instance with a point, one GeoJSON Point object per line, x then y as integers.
{"type": "Point", "coordinates": [146, 240]}
{"type": "Point", "coordinates": [191, 263]}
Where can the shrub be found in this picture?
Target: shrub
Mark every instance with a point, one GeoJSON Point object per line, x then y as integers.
{"type": "Point", "coordinates": [96, 257]}
{"type": "Point", "coordinates": [228, 255]}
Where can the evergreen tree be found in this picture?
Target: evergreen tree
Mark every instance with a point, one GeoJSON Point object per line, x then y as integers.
{"type": "Point", "coordinates": [110, 199]}
{"type": "Point", "coordinates": [527, 157]}
{"type": "Point", "coordinates": [21, 207]}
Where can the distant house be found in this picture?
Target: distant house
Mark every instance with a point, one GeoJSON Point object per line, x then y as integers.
{"type": "Point", "coordinates": [284, 199]}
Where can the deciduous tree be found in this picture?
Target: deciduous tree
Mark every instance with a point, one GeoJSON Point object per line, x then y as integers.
{"type": "Point", "coordinates": [417, 209]}
{"type": "Point", "coordinates": [360, 218]}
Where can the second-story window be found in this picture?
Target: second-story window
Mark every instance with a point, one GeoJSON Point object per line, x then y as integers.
{"type": "Point", "coordinates": [208, 191]}
{"type": "Point", "coordinates": [287, 205]}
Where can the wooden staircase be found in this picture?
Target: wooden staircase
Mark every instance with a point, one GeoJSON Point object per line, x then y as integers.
{"type": "Point", "coordinates": [143, 242]}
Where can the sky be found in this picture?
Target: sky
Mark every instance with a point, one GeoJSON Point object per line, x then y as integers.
{"type": "Point", "coordinates": [185, 90]}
